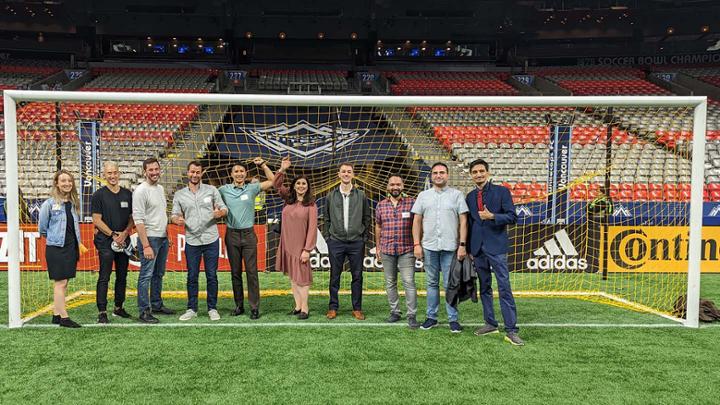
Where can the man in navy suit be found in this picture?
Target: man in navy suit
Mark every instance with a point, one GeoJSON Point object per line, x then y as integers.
{"type": "Point", "coordinates": [491, 210]}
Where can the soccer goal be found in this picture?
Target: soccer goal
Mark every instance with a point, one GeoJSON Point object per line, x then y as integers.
{"type": "Point", "coordinates": [608, 190]}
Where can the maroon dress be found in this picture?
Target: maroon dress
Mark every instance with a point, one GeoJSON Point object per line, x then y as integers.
{"type": "Point", "coordinates": [298, 232]}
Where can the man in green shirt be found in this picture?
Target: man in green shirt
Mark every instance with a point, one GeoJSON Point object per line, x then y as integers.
{"type": "Point", "coordinates": [240, 238]}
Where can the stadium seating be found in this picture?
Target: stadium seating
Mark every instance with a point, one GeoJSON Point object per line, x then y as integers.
{"type": "Point", "coordinates": [450, 83]}
{"type": "Point", "coordinates": [280, 80]}
{"type": "Point", "coordinates": [130, 132]}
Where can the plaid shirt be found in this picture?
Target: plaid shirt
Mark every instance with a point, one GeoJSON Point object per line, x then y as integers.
{"type": "Point", "coordinates": [395, 225]}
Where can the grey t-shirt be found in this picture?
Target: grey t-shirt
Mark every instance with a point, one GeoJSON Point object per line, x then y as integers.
{"type": "Point", "coordinates": [197, 209]}
{"type": "Point", "coordinates": [150, 209]}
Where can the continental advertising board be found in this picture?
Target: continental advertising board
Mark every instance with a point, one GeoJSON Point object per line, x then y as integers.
{"type": "Point", "coordinates": [659, 249]}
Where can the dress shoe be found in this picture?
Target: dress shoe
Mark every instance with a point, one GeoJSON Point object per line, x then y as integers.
{"type": "Point", "coordinates": [303, 315]}
{"type": "Point", "coordinates": [294, 312]}
{"type": "Point", "coordinates": [238, 311]}
{"type": "Point", "coordinates": [331, 314]}
{"type": "Point", "coordinates": [254, 314]}
{"type": "Point", "coordinates": [358, 315]}
{"type": "Point", "coordinates": [56, 319]}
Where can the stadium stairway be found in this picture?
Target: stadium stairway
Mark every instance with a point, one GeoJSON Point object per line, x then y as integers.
{"type": "Point", "coordinates": [190, 145]}
{"type": "Point", "coordinates": [423, 146]}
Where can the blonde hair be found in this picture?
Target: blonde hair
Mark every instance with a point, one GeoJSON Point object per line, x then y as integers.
{"type": "Point", "coordinates": [57, 195]}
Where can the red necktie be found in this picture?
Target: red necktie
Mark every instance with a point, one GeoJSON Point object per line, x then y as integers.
{"type": "Point", "coordinates": [480, 201]}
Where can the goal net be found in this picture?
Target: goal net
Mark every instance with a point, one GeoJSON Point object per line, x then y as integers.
{"type": "Point", "coordinates": [608, 190]}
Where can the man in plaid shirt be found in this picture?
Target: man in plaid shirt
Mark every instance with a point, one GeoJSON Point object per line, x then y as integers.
{"type": "Point", "coordinates": [394, 248]}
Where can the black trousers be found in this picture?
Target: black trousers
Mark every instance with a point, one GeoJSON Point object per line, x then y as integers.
{"type": "Point", "coordinates": [107, 258]}
{"type": "Point", "coordinates": [353, 252]}
{"type": "Point", "coordinates": [241, 247]}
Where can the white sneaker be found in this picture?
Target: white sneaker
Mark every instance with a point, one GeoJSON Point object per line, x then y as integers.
{"type": "Point", "coordinates": [214, 315]}
{"type": "Point", "coordinates": [188, 315]}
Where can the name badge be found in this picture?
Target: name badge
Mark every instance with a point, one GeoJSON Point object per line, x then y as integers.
{"type": "Point", "coordinates": [243, 197]}
{"type": "Point", "coordinates": [405, 215]}
{"type": "Point", "coordinates": [207, 200]}
{"type": "Point", "coordinates": [56, 207]}
{"type": "Point", "coordinates": [123, 204]}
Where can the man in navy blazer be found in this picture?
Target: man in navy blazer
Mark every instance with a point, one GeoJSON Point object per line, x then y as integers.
{"type": "Point", "coordinates": [491, 210]}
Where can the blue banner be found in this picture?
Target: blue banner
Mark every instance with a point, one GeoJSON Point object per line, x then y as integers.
{"type": "Point", "coordinates": [311, 136]}
{"type": "Point", "coordinates": [559, 174]}
{"type": "Point", "coordinates": [88, 132]}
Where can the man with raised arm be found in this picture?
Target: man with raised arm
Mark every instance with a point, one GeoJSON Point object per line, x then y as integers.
{"type": "Point", "coordinates": [240, 238]}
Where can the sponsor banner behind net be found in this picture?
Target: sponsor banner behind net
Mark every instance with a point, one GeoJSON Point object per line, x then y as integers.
{"type": "Point", "coordinates": [553, 248]}
{"type": "Point", "coordinates": [659, 249]}
{"type": "Point", "coordinates": [89, 166]}
{"type": "Point", "coordinates": [32, 249]}
{"type": "Point", "coordinates": [315, 136]}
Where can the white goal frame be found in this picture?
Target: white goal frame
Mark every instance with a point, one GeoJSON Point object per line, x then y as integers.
{"type": "Point", "coordinates": [698, 104]}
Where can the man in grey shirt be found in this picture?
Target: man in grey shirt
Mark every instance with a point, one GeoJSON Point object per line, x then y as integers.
{"type": "Point", "coordinates": [197, 207]}
{"type": "Point", "coordinates": [441, 224]}
{"type": "Point", "coordinates": [150, 216]}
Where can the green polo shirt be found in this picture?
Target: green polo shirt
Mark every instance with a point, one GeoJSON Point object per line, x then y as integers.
{"type": "Point", "coordinates": [240, 202]}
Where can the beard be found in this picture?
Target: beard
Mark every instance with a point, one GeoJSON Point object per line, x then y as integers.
{"type": "Point", "coordinates": [396, 193]}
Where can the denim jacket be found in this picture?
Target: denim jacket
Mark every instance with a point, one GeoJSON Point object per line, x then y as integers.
{"type": "Point", "coordinates": [52, 223]}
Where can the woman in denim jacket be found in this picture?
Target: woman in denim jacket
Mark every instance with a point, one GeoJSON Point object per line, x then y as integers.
{"type": "Point", "coordinates": [60, 225]}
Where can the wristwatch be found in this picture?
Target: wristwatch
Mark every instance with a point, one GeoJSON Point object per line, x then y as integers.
{"type": "Point", "coordinates": [462, 244]}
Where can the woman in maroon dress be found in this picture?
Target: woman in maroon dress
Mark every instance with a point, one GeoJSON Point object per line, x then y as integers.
{"type": "Point", "coordinates": [298, 235]}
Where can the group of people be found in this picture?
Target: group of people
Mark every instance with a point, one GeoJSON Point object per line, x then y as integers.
{"type": "Point", "coordinates": [440, 226]}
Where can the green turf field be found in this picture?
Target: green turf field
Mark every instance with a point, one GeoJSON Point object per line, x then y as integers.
{"type": "Point", "coordinates": [280, 360]}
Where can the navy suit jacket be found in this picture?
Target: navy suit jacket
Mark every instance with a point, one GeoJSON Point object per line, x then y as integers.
{"type": "Point", "coordinates": [490, 236]}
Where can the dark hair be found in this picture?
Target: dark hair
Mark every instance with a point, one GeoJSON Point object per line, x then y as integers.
{"type": "Point", "coordinates": [194, 163]}
{"type": "Point", "coordinates": [308, 198]}
{"type": "Point", "coordinates": [395, 175]}
{"type": "Point", "coordinates": [350, 165]}
{"type": "Point", "coordinates": [440, 164]}
{"type": "Point", "coordinates": [479, 162]}
{"type": "Point", "coordinates": [147, 162]}
{"type": "Point", "coordinates": [238, 164]}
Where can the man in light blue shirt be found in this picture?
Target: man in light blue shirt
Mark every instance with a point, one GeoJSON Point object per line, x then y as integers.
{"type": "Point", "coordinates": [240, 238]}
{"type": "Point", "coordinates": [439, 236]}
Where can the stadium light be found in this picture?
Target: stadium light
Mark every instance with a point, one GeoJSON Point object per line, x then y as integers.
{"type": "Point", "coordinates": [282, 35]}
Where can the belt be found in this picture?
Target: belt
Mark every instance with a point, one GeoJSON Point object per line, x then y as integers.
{"type": "Point", "coordinates": [244, 230]}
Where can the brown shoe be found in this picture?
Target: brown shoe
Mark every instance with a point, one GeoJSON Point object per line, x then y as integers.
{"type": "Point", "coordinates": [358, 315]}
{"type": "Point", "coordinates": [331, 314]}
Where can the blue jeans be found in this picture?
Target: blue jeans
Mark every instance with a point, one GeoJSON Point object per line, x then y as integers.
{"type": "Point", "coordinates": [209, 254]}
{"type": "Point", "coordinates": [434, 262]}
{"type": "Point", "coordinates": [485, 265]}
{"type": "Point", "coordinates": [151, 274]}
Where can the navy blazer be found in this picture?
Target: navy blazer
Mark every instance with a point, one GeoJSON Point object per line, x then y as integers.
{"type": "Point", "coordinates": [490, 236]}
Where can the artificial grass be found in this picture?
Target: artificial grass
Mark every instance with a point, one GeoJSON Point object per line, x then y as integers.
{"type": "Point", "coordinates": [322, 364]}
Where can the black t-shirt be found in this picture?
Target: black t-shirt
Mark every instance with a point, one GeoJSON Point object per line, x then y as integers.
{"type": "Point", "coordinates": [115, 209]}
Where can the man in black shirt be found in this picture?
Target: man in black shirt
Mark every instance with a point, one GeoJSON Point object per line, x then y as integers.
{"type": "Point", "coordinates": [112, 217]}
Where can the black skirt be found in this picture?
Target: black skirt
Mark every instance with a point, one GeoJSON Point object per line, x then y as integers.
{"type": "Point", "coordinates": [62, 261]}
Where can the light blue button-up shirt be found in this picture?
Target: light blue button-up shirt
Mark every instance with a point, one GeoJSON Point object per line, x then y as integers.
{"type": "Point", "coordinates": [440, 210]}
{"type": "Point", "coordinates": [240, 202]}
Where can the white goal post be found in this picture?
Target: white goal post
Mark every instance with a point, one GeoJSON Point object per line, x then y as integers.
{"type": "Point", "coordinates": [12, 97]}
